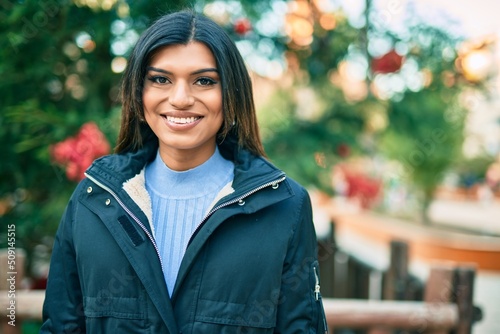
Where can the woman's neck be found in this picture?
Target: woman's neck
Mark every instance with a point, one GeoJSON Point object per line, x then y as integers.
{"type": "Point", "coordinates": [182, 160]}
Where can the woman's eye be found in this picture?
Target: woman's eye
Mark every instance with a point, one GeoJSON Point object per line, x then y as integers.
{"type": "Point", "coordinates": [206, 82]}
{"type": "Point", "coordinates": [158, 80]}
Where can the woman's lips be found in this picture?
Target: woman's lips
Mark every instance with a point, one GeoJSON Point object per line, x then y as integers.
{"type": "Point", "coordinates": [181, 123]}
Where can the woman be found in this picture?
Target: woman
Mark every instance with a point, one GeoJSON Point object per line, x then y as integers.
{"type": "Point", "coordinates": [187, 228]}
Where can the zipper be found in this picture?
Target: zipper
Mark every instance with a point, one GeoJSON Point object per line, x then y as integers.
{"type": "Point", "coordinates": [129, 212]}
{"type": "Point", "coordinates": [236, 200]}
{"type": "Point", "coordinates": [317, 287]}
{"type": "Point", "coordinates": [317, 295]}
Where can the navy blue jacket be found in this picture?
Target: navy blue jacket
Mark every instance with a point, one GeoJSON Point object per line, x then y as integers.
{"type": "Point", "coordinates": [250, 267]}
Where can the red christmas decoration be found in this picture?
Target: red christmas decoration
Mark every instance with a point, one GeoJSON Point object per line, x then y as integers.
{"type": "Point", "coordinates": [364, 188]}
{"type": "Point", "coordinates": [77, 153]}
{"type": "Point", "coordinates": [389, 63]}
{"type": "Point", "coordinates": [242, 26]}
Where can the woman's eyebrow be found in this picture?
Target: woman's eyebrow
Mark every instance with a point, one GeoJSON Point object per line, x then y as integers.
{"type": "Point", "coordinates": [203, 70]}
{"type": "Point", "coordinates": [155, 69]}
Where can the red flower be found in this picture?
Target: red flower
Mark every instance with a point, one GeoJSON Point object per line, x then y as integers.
{"type": "Point", "coordinates": [389, 63]}
{"type": "Point", "coordinates": [242, 26]}
{"type": "Point", "coordinates": [77, 153]}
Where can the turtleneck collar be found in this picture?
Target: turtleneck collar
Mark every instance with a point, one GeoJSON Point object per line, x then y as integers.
{"type": "Point", "coordinates": [199, 181]}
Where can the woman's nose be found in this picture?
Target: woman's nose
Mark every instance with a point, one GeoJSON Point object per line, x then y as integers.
{"type": "Point", "coordinates": [181, 96]}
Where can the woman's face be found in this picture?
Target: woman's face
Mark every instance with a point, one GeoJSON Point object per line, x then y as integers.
{"type": "Point", "coordinates": [182, 100]}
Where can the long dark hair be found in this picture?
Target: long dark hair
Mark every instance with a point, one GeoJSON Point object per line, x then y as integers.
{"type": "Point", "coordinates": [237, 97]}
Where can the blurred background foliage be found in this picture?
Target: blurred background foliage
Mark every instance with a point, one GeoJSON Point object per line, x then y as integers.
{"type": "Point", "coordinates": [331, 90]}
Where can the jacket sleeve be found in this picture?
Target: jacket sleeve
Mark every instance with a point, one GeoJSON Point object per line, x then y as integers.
{"type": "Point", "coordinates": [300, 309]}
{"type": "Point", "coordinates": [63, 305]}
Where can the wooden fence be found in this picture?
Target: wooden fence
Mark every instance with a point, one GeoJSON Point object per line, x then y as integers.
{"type": "Point", "coordinates": [446, 308]}
{"type": "Point", "coordinates": [358, 296]}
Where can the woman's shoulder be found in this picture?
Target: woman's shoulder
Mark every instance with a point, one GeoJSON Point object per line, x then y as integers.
{"type": "Point", "coordinates": [295, 185]}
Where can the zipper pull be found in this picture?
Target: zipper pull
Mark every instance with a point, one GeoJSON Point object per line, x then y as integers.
{"type": "Point", "coordinates": [317, 287]}
{"type": "Point", "coordinates": [317, 295]}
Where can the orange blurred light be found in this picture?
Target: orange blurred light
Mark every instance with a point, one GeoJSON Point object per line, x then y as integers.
{"type": "Point", "coordinates": [300, 7]}
{"type": "Point", "coordinates": [328, 21]}
{"type": "Point", "coordinates": [299, 23]}
{"type": "Point", "coordinates": [118, 64]}
{"type": "Point", "coordinates": [427, 76]}
{"type": "Point", "coordinates": [476, 65]}
{"type": "Point", "coordinates": [301, 27]}
{"type": "Point", "coordinates": [89, 46]}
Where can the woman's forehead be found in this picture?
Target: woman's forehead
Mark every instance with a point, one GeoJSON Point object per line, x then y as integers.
{"type": "Point", "coordinates": [183, 55]}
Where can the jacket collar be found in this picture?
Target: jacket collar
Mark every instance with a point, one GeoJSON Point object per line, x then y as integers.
{"type": "Point", "coordinates": [250, 171]}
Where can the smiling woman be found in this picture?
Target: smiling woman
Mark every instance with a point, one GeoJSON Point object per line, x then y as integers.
{"type": "Point", "coordinates": [183, 104]}
{"type": "Point", "coordinates": [187, 228]}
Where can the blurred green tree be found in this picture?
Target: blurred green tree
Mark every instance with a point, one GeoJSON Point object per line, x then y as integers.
{"type": "Point", "coordinates": [426, 125]}
{"type": "Point", "coordinates": [405, 103]}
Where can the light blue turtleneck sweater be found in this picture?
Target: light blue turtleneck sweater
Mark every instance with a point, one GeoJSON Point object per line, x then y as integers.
{"type": "Point", "coordinates": [179, 201]}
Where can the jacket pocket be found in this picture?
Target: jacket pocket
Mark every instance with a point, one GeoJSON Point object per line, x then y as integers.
{"type": "Point", "coordinates": [115, 314]}
{"type": "Point", "coordinates": [226, 317]}
{"type": "Point", "coordinates": [116, 307]}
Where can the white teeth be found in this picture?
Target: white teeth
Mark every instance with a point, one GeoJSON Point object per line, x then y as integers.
{"type": "Point", "coordinates": [181, 120]}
